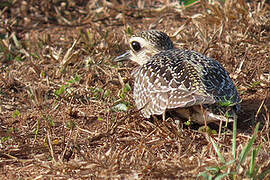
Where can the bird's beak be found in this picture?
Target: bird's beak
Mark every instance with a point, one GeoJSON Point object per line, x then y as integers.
{"type": "Point", "coordinates": [123, 57]}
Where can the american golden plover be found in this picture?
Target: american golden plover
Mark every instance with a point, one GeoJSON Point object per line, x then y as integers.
{"type": "Point", "coordinates": [196, 86]}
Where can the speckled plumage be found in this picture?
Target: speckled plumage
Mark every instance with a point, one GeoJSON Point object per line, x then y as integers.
{"type": "Point", "coordinates": [173, 78]}
{"type": "Point", "coordinates": [160, 40]}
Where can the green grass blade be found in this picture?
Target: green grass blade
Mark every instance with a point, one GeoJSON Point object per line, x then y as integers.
{"type": "Point", "coordinates": [234, 138]}
{"type": "Point", "coordinates": [189, 2]}
{"type": "Point", "coordinates": [213, 169]}
{"type": "Point", "coordinates": [217, 151]}
{"type": "Point", "coordinates": [247, 148]}
{"type": "Point", "coordinates": [253, 161]}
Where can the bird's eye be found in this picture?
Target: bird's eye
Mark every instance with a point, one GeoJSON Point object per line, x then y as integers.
{"type": "Point", "coordinates": [135, 45]}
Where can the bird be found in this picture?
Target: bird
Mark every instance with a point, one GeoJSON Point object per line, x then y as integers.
{"type": "Point", "coordinates": [166, 78]}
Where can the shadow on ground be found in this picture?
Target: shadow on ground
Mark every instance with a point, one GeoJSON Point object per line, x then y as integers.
{"type": "Point", "coordinates": [251, 113]}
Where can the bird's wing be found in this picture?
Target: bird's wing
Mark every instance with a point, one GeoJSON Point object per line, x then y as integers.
{"type": "Point", "coordinates": [153, 93]}
{"type": "Point", "coordinates": [180, 98]}
{"type": "Point", "coordinates": [180, 78]}
{"type": "Point", "coordinates": [148, 99]}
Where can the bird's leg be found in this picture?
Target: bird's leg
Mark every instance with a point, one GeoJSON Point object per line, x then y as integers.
{"type": "Point", "coordinates": [204, 115]}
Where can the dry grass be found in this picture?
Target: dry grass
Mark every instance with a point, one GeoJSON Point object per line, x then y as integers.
{"type": "Point", "coordinates": [58, 87]}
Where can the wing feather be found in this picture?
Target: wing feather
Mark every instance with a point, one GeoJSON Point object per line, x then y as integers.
{"type": "Point", "coordinates": [179, 78]}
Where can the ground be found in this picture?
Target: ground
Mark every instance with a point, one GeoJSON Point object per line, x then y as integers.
{"type": "Point", "coordinates": [60, 90]}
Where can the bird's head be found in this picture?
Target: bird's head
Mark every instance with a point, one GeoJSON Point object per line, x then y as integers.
{"type": "Point", "coordinates": [144, 45]}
